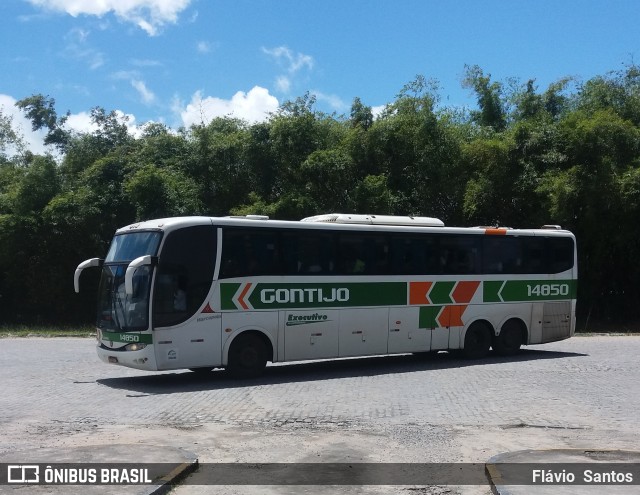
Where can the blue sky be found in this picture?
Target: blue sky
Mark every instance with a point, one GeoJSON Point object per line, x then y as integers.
{"type": "Point", "coordinates": [186, 61]}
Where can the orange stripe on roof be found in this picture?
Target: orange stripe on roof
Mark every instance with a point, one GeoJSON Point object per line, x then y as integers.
{"type": "Point", "coordinates": [495, 231]}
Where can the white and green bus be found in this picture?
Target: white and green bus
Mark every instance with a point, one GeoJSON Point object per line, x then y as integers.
{"type": "Point", "coordinates": [236, 292]}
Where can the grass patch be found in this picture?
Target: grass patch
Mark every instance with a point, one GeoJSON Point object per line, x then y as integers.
{"type": "Point", "coordinates": [7, 331]}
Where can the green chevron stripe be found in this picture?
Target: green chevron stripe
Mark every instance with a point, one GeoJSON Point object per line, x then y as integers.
{"type": "Point", "coordinates": [428, 316]}
{"type": "Point", "coordinates": [440, 293]}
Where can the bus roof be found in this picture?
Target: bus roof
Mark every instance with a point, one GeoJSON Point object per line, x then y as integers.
{"type": "Point", "coordinates": [337, 221]}
{"type": "Point", "coordinates": [376, 220]}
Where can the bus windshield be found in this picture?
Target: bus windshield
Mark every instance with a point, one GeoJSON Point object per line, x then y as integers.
{"type": "Point", "coordinates": [128, 247]}
{"type": "Point", "coordinates": [118, 311]}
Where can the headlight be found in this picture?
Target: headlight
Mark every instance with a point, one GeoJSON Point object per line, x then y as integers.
{"type": "Point", "coordinates": [135, 347]}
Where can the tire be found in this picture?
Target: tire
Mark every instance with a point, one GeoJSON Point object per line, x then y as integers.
{"type": "Point", "coordinates": [201, 371]}
{"type": "Point", "coordinates": [477, 341]}
{"type": "Point", "coordinates": [247, 356]}
{"type": "Point", "coordinates": [510, 339]}
{"type": "Point", "coordinates": [425, 354]}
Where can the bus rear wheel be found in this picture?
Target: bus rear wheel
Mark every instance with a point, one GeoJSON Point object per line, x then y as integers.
{"type": "Point", "coordinates": [477, 341]}
{"type": "Point", "coordinates": [510, 339]}
{"type": "Point", "coordinates": [247, 356]}
{"type": "Point", "coordinates": [201, 371]}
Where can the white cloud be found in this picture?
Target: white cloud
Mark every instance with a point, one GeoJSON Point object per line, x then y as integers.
{"type": "Point", "coordinates": [133, 76]}
{"type": "Point", "coordinates": [203, 47]}
{"type": "Point", "coordinates": [283, 84]}
{"type": "Point", "coordinates": [376, 111]}
{"type": "Point", "coordinates": [22, 126]}
{"type": "Point", "coordinates": [293, 62]}
{"type": "Point", "coordinates": [333, 101]}
{"type": "Point", "coordinates": [146, 95]}
{"type": "Point", "coordinates": [149, 15]}
{"type": "Point", "coordinates": [125, 74]}
{"type": "Point", "coordinates": [78, 48]}
{"type": "Point", "coordinates": [138, 62]}
{"type": "Point", "coordinates": [76, 122]}
{"type": "Point", "coordinates": [81, 123]}
{"type": "Point", "coordinates": [253, 106]}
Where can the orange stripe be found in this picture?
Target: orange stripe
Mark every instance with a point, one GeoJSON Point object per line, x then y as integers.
{"type": "Point", "coordinates": [451, 316]}
{"type": "Point", "coordinates": [418, 292]}
{"type": "Point", "coordinates": [242, 294]}
{"type": "Point", "coordinates": [464, 291]}
{"type": "Point", "coordinates": [495, 231]}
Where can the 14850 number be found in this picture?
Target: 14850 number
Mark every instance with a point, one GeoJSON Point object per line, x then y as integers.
{"type": "Point", "coordinates": [545, 290]}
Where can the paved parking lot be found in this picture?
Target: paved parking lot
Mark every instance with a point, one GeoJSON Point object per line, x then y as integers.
{"type": "Point", "coordinates": [580, 393]}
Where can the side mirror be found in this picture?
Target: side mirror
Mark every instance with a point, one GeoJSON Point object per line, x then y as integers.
{"type": "Point", "coordinates": [85, 264]}
{"type": "Point", "coordinates": [131, 270]}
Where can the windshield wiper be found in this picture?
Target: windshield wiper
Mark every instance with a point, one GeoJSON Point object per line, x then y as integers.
{"type": "Point", "coordinates": [117, 299]}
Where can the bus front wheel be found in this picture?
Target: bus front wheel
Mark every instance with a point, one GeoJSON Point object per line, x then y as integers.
{"type": "Point", "coordinates": [247, 356]}
{"type": "Point", "coordinates": [477, 341]}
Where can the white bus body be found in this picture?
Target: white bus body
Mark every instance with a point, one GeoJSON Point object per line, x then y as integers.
{"type": "Point", "coordinates": [203, 292]}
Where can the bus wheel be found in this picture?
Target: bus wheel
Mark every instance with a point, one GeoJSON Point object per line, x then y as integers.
{"type": "Point", "coordinates": [510, 339]}
{"type": "Point", "coordinates": [477, 341]}
{"type": "Point", "coordinates": [201, 371]}
{"type": "Point", "coordinates": [247, 356]}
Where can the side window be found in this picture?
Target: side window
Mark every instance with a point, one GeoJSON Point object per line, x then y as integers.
{"type": "Point", "coordinates": [184, 274]}
{"type": "Point", "coordinates": [247, 252]}
{"type": "Point", "coordinates": [533, 253]}
{"type": "Point", "coordinates": [459, 254]}
{"type": "Point", "coordinates": [363, 254]}
{"type": "Point", "coordinates": [435, 255]}
{"type": "Point", "coordinates": [502, 254]}
{"type": "Point", "coordinates": [414, 255]}
{"type": "Point", "coordinates": [308, 252]}
{"type": "Point", "coordinates": [407, 256]}
{"type": "Point", "coordinates": [559, 254]}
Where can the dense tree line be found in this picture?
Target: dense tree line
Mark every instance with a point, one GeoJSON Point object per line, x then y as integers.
{"type": "Point", "coordinates": [568, 154]}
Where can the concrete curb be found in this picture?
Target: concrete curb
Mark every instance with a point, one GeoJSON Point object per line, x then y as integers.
{"type": "Point", "coordinates": [174, 477]}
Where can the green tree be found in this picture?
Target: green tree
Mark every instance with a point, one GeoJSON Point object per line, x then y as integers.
{"type": "Point", "coordinates": [489, 96]}
{"type": "Point", "coordinates": [219, 165]}
{"type": "Point", "coordinates": [418, 153]}
{"type": "Point", "coordinates": [41, 111]}
{"type": "Point", "coordinates": [38, 185]}
{"type": "Point", "coordinates": [10, 140]}
{"type": "Point", "coordinates": [161, 192]}
{"type": "Point", "coordinates": [361, 115]}
{"type": "Point", "coordinates": [328, 177]}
